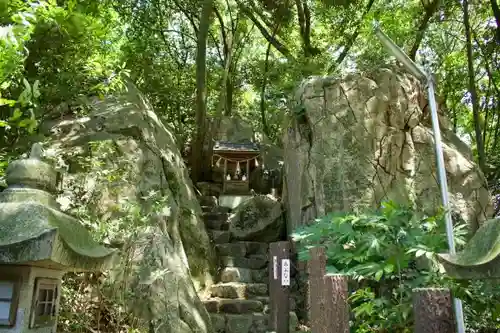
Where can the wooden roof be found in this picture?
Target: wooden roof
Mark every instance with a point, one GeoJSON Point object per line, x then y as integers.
{"type": "Point", "coordinates": [230, 147]}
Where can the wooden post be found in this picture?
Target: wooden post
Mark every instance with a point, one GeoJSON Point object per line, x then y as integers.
{"type": "Point", "coordinates": [337, 306]}
{"type": "Point", "coordinates": [248, 170]}
{"type": "Point", "coordinates": [433, 310]}
{"type": "Point", "coordinates": [279, 286]}
{"type": "Point", "coordinates": [316, 296]}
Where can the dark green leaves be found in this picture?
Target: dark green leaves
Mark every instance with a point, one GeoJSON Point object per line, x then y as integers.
{"type": "Point", "coordinates": [384, 253]}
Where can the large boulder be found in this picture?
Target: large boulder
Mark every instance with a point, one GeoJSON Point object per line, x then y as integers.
{"type": "Point", "coordinates": [234, 129]}
{"type": "Point", "coordinates": [124, 175]}
{"type": "Point", "coordinates": [354, 142]}
{"type": "Point", "coordinates": [257, 219]}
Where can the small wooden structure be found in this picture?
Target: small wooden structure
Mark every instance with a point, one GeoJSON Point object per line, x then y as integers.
{"type": "Point", "coordinates": [237, 161]}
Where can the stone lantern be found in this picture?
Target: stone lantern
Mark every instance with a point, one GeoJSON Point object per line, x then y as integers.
{"type": "Point", "coordinates": [480, 259]}
{"type": "Point", "coordinates": [38, 244]}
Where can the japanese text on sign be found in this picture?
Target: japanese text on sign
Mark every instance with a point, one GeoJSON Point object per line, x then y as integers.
{"type": "Point", "coordinates": [285, 272]}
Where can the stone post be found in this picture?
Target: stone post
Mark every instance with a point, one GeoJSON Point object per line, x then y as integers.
{"type": "Point", "coordinates": [433, 310]}
{"type": "Point", "coordinates": [316, 297]}
{"type": "Point", "coordinates": [336, 304]}
{"type": "Point", "coordinates": [279, 286]}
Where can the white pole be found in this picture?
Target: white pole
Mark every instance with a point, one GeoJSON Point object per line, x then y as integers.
{"type": "Point", "coordinates": [459, 313]}
{"type": "Point", "coordinates": [440, 163]}
{"type": "Point", "coordinates": [416, 71]}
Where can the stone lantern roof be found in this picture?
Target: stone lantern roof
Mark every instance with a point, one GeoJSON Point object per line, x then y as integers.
{"type": "Point", "coordinates": [33, 231]}
{"type": "Point", "coordinates": [480, 259]}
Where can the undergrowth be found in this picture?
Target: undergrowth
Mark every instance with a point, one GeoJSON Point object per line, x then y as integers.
{"type": "Point", "coordinates": [387, 253]}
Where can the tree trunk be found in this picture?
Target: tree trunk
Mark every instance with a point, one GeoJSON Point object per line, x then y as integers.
{"type": "Point", "coordinates": [472, 89]}
{"type": "Point", "coordinates": [229, 96]}
{"type": "Point", "coordinates": [222, 98]}
{"type": "Point", "coordinates": [265, 127]}
{"type": "Point", "coordinates": [197, 151]}
{"type": "Point", "coordinates": [352, 39]}
{"type": "Point", "coordinates": [424, 24]}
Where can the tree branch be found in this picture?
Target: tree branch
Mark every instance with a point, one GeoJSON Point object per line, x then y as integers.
{"type": "Point", "coordinates": [429, 12]}
{"type": "Point", "coordinates": [352, 39]}
{"type": "Point", "coordinates": [223, 33]}
{"type": "Point", "coordinates": [304, 18]}
{"type": "Point", "coordinates": [496, 12]}
{"type": "Point", "coordinates": [276, 43]}
{"type": "Point", "coordinates": [472, 88]}
{"type": "Point", "coordinates": [188, 15]}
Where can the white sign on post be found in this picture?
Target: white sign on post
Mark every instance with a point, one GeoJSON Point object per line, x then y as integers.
{"type": "Point", "coordinates": [275, 267]}
{"type": "Point", "coordinates": [285, 272]}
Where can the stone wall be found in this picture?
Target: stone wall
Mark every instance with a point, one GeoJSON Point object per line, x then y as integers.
{"type": "Point", "coordinates": [355, 142]}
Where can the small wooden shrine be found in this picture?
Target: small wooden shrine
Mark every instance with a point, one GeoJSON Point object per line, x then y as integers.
{"type": "Point", "coordinates": [235, 161]}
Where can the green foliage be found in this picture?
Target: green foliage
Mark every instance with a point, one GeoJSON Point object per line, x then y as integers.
{"type": "Point", "coordinates": [86, 306]}
{"type": "Point", "coordinates": [104, 301]}
{"type": "Point", "coordinates": [387, 253]}
{"type": "Point", "coordinates": [54, 52]}
{"type": "Point", "coordinates": [481, 306]}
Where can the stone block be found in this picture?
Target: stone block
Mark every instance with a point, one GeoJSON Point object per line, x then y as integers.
{"type": "Point", "coordinates": [220, 236]}
{"type": "Point", "coordinates": [252, 262]}
{"type": "Point", "coordinates": [238, 290]}
{"type": "Point", "coordinates": [232, 249]}
{"type": "Point", "coordinates": [218, 322]}
{"type": "Point", "coordinates": [239, 323]}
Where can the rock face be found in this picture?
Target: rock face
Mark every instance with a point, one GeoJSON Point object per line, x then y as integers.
{"type": "Point", "coordinates": [124, 170]}
{"type": "Point", "coordinates": [355, 142]}
{"type": "Point", "coordinates": [234, 129]}
{"type": "Point", "coordinates": [257, 219]}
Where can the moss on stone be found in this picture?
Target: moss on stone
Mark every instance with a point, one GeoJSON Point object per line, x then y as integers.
{"type": "Point", "coordinates": [25, 221]}
{"type": "Point", "coordinates": [481, 255]}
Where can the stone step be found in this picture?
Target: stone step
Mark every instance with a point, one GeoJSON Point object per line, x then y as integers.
{"type": "Point", "coordinates": [242, 249]}
{"type": "Point", "coordinates": [231, 305]}
{"type": "Point", "coordinates": [244, 275]}
{"type": "Point", "coordinates": [252, 262]}
{"type": "Point", "coordinates": [266, 301]}
{"type": "Point", "coordinates": [215, 215]}
{"type": "Point", "coordinates": [206, 208]}
{"type": "Point", "coordinates": [219, 236]}
{"type": "Point", "coordinates": [246, 323]}
{"type": "Point", "coordinates": [238, 290]}
{"type": "Point", "coordinates": [216, 220]}
{"type": "Point", "coordinates": [216, 209]}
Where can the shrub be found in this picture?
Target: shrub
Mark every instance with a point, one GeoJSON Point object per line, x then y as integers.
{"type": "Point", "coordinates": [387, 253]}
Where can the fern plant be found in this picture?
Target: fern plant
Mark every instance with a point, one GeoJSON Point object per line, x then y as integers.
{"type": "Point", "coordinates": [386, 253]}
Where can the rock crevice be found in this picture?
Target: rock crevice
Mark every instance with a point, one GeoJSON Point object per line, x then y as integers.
{"type": "Point", "coordinates": [371, 140]}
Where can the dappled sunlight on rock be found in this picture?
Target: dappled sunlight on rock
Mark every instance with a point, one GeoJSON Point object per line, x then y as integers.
{"type": "Point", "coordinates": [354, 142]}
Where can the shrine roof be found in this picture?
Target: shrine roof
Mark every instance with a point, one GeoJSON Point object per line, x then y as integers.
{"type": "Point", "coordinates": [224, 146]}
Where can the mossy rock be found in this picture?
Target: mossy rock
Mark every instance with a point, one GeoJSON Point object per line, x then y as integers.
{"type": "Point", "coordinates": [131, 160]}
{"type": "Point", "coordinates": [480, 258]}
{"type": "Point", "coordinates": [257, 219]}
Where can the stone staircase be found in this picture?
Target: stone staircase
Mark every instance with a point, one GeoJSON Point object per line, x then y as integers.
{"type": "Point", "coordinates": [239, 301]}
